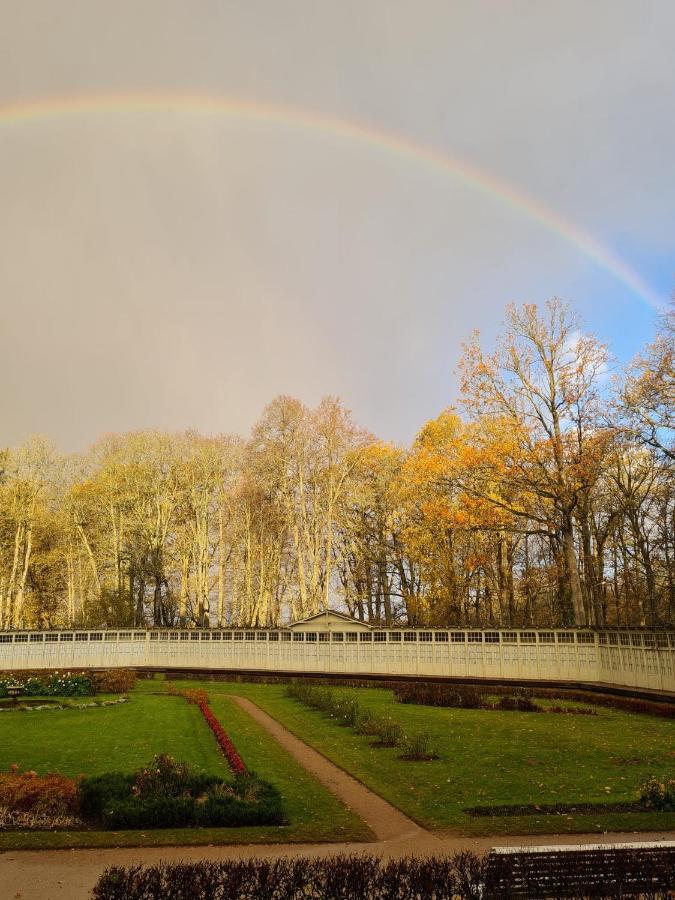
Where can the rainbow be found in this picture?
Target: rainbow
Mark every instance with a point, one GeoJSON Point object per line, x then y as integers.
{"type": "Point", "coordinates": [28, 111]}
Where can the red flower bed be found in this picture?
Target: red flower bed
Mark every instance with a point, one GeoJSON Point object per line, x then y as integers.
{"type": "Point", "coordinates": [200, 699]}
{"type": "Point", "coordinates": [225, 744]}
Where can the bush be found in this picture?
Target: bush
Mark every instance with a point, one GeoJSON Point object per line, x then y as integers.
{"type": "Point", "coordinates": [416, 747]}
{"type": "Point", "coordinates": [571, 710]}
{"type": "Point", "coordinates": [611, 873]}
{"type": "Point", "coordinates": [452, 695]}
{"type": "Point", "coordinates": [113, 681]}
{"type": "Point", "coordinates": [388, 733]}
{"type": "Point", "coordinates": [46, 683]}
{"type": "Point", "coordinates": [366, 723]}
{"type": "Point", "coordinates": [162, 811]}
{"type": "Point", "coordinates": [100, 790]}
{"type": "Point", "coordinates": [517, 703]}
{"type": "Point", "coordinates": [345, 710]}
{"type": "Point", "coordinates": [170, 794]}
{"type": "Point", "coordinates": [48, 795]}
{"type": "Point", "coordinates": [166, 777]}
{"type": "Point", "coordinates": [355, 877]}
{"type": "Point", "coordinates": [657, 794]}
{"type": "Point", "coordinates": [247, 802]}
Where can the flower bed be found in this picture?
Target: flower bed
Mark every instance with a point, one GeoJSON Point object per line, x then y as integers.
{"type": "Point", "coordinates": [41, 683]}
{"type": "Point", "coordinates": [200, 699]}
{"type": "Point", "coordinates": [30, 801]}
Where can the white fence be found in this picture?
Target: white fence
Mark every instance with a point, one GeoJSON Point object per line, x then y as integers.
{"type": "Point", "coordinates": [641, 659]}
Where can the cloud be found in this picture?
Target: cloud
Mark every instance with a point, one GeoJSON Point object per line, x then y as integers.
{"type": "Point", "coordinates": [167, 270]}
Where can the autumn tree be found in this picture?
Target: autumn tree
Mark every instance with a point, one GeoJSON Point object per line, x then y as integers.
{"type": "Point", "coordinates": [541, 387]}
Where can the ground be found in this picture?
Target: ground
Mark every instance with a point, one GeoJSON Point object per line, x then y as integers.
{"type": "Point", "coordinates": [486, 758]}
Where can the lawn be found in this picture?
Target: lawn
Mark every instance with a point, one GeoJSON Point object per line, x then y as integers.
{"type": "Point", "coordinates": [124, 737]}
{"type": "Point", "coordinates": [494, 758]}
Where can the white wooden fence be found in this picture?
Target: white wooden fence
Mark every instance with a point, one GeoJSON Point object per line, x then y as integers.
{"type": "Point", "coordinates": [641, 659]}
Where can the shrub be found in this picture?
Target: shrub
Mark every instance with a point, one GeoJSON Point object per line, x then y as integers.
{"type": "Point", "coordinates": [388, 733]}
{"type": "Point", "coordinates": [165, 776]}
{"type": "Point", "coordinates": [571, 710]}
{"type": "Point", "coordinates": [171, 794]}
{"type": "Point", "coordinates": [113, 681]}
{"type": "Point", "coordinates": [452, 695]}
{"type": "Point", "coordinates": [517, 703]}
{"type": "Point", "coordinates": [627, 704]}
{"type": "Point", "coordinates": [247, 802]}
{"type": "Point", "coordinates": [461, 876]}
{"type": "Point", "coordinates": [162, 811]}
{"type": "Point", "coordinates": [345, 710]}
{"type": "Point", "coordinates": [99, 790]}
{"type": "Point", "coordinates": [416, 747]}
{"type": "Point", "coordinates": [616, 873]}
{"type": "Point", "coordinates": [658, 794]}
{"type": "Point", "coordinates": [366, 723]}
{"type": "Point", "coordinates": [49, 795]}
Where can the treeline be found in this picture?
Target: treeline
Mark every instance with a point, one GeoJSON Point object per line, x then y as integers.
{"type": "Point", "coordinates": [548, 501]}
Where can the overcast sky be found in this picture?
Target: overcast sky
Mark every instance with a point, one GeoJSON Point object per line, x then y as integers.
{"type": "Point", "coordinates": [174, 269]}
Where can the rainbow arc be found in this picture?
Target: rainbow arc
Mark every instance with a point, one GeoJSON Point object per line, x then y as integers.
{"type": "Point", "coordinates": [36, 110]}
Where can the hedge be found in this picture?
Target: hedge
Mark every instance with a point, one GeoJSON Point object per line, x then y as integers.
{"type": "Point", "coordinates": [344, 877]}
{"type": "Point", "coordinates": [171, 794]}
{"type": "Point", "coordinates": [610, 872]}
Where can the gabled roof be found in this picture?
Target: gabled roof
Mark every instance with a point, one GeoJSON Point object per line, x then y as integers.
{"type": "Point", "coordinates": [331, 616]}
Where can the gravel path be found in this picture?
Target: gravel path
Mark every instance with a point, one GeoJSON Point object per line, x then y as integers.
{"type": "Point", "coordinates": [71, 874]}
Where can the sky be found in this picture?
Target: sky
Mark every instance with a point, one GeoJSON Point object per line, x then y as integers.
{"type": "Point", "coordinates": [207, 203]}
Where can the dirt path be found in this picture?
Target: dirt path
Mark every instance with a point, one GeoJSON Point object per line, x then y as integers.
{"type": "Point", "coordinates": [386, 822]}
{"type": "Point", "coordinates": [71, 874]}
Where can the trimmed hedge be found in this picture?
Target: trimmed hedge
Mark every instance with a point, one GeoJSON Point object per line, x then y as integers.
{"type": "Point", "coordinates": [345, 877]}
{"type": "Point", "coordinates": [170, 794]}
{"type": "Point", "coordinates": [609, 872]}
{"type": "Point", "coordinates": [516, 699]}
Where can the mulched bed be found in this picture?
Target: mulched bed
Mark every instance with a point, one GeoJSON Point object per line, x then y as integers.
{"type": "Point", "coordinates": [554, 809]}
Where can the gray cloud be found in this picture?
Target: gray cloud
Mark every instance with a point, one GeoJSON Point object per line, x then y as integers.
{"type": "Point", "coordinates": [172, 269]}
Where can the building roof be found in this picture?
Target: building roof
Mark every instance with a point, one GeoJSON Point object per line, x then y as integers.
{"type": "Point", "coordinates": [329, 617]}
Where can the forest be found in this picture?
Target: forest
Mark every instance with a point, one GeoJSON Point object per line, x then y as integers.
{"type": "Point", "coordinates": [545, 497]}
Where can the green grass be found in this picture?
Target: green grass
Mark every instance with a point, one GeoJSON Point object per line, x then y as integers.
{"type": "Point", "coordinates": [94, 740]}
{"type": "Point", "coordinates": [125, 737]}
{"type": "Point", "coordinates": [493, 758]}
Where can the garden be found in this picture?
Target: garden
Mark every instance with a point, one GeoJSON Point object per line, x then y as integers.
{"type": "Point", "coordinates": [526, 772]}
{"type": "Point", "coordinates": [115, 762]}
{"type": "Point", "coordinates": [83, 775]}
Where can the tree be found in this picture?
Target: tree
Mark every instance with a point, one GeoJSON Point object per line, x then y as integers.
{"type": "Point", "coordinates": [647, 399]}
{"type": "Point", "coordinates": [536, 401]}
